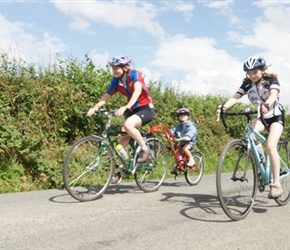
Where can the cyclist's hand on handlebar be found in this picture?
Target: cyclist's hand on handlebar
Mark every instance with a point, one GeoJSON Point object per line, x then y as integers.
{"type": "Point", "coordinates": [185, 138]}
{"type": "Point", "coordinates": [218, 111]}
{"type": "Point", "coordinates": [92, 111]}
{"type": "Point", "coordinates": [121, 111]}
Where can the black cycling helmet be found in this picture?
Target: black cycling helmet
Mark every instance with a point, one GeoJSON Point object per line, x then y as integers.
{"type": "Point", "coordinates": [254, 62]}
{"type": "Point", "coordinates": [182, 111]}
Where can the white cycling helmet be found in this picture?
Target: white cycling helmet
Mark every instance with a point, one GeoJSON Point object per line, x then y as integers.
{"type": "Point", "coordinates": [254, 62]}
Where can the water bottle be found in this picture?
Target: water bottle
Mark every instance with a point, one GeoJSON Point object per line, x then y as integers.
{"type": "Point", "coordinates": [180, 158]}
{"type": "Point", "coordinates": [122, 151]}
{"type": "Point", "coordinates": [260, 150]}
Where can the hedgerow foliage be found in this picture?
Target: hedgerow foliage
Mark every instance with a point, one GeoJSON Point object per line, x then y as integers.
{"type": "Point", "coordinates": [43, 111]}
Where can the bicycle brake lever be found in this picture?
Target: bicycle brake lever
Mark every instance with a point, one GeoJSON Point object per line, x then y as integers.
{"type": "Point", "coordinates": [219, 112]}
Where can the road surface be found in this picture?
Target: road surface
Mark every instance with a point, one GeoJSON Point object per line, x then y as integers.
{"type": "Point", "coordinates": [177, 216]}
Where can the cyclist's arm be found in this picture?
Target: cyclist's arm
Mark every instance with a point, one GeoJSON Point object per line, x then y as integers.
{"type": "Point", "coordinates": [232, 101]}
{"type": "Point", "coordinates": [191, 133]}
{"type": "Point", "coordinates": [106, 97]}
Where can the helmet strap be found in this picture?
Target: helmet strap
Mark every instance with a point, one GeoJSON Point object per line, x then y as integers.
{"type": "Point", "coordinates": [124, 72]}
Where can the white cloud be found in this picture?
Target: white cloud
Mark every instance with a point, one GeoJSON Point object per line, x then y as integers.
{"type": "Point", "coordinates": [17, 38]}
{"type": "Point", "coordinates": [271, 34]}
{"type": "Point", "coordinates": [218, 4]}
{"type": "Point", "coordinates": [120, 14]}
{"type": "Point", "coordinates": [204, 68]}
{"type": "Point", "coordinates": [100, 59]}
{"type": "Point", "coordinates": [150, 76]}
{"type": "Point", "coordinates": [207, 69]}
{"type": "Point", "coordinates": [81, 24]}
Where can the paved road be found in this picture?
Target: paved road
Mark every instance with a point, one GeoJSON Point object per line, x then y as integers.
{"type": "Point", "coordinates": [175, 217]}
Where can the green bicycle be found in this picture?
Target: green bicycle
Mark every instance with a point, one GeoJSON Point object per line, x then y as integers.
{"type": "Point", "coordinates": [91, 162]}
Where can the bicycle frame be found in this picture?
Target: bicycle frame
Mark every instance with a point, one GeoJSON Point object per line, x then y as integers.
{"type": "Point", "coordinates": [108, 133]}
{"type": "Point", "coordinates": [172, 142]}
{"type": "Point", "coordinates": [265, 169]}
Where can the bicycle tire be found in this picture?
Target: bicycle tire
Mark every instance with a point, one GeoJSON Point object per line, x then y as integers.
{"type": "Point", "coordinates": [193, 175]}
{"type": "Point", "coordinates": [236, 180]}
{"type": "Point", "coordinates": [284, 179]}
{"type": "Point", "coordinates": [88, 169]}
{"type": "Point", "coordinates": [150, 175]}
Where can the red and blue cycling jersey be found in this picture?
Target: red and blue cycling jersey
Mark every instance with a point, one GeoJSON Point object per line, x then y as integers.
{"type": "Point", "coordinates": [127, 89]}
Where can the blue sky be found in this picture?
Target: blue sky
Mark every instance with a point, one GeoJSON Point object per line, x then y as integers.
{"type": "Point", "coordinates": [199, 46]}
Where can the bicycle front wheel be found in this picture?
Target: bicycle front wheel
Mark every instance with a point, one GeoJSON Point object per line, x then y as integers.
{"type": "Point", "coordinates": [193, 174]}
{"type": "Point", "coordinates": [88, 168]}
{"type": "Point", "coordinates": [236, 180]}
{"type": "Point", "coordinates": [150, 175]}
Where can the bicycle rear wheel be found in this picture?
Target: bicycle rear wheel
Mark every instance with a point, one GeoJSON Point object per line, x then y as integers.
{"type": "Point", "coordinates": [236, 180]}
{"type": "Point", "coordinates": [150, 175]}
{"type": "Point", "coordinates": [284, 176]}
{"type": "Point", "coordinates": [194, 174]}
{"type": "Point", "coordinates": [88, 168]}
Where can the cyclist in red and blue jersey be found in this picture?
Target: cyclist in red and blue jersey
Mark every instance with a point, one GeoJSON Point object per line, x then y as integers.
{"type": "Point", "coordinates": [140, 110]}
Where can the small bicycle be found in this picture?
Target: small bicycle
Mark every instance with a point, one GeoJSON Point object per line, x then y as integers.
{"type": "Point", "coordinates": [193, 174]}
{"type": "Point", "coordinates": [241, 170]}
{"type": "Point", "coordinates": [91, 162]}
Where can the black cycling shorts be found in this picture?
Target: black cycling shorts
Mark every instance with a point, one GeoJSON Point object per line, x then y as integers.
{"type": "Point", "coordinates": [145, 113]}
{"type": "Point", "coordinates": [279, 118]}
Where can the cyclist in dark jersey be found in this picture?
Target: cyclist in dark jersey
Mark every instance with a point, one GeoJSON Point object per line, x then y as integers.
{"type": "Point", "coordinates": [264, 88]}
{"type": "Point", "coordinates": [130, 83]}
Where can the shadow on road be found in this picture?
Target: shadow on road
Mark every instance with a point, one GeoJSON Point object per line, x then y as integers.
{"type": "Point", "coordinates": [207, 204]}
{"type": "Point", "coordinates": [192, 202]}
{"type": "Point", "coordinates": [112, 190]}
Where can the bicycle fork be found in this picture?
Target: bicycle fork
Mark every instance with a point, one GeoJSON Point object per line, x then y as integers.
{"type": "Point", "coordinates": [243, 177]}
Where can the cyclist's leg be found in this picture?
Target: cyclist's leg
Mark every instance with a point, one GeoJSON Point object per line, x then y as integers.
{"type": "Point", "coordinates": [139, 118]}
{"type": "Point", "coordinates": [150, 175]}
{"type": "Point", "coordinates": [121, 171]}
{"type": "Point", "coordinates": [186, 149]}
{"type": "Point", "coordinates": [275, 133]}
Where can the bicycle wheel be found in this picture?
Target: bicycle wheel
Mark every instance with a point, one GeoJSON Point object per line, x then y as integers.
{"type": "Point", "coordinates": [284, 176]}
{"type": "Point", "coordinates": [150, 175]}
{"type": "Point", "coordinates": [236, 180]}
{"type": "Point", "coordinates": [193, 174]}
{"type": "Point", "coordinates": [88, 168]}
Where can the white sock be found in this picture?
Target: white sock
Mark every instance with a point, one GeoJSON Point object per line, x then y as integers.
{"type": "Point", "coordinates": [144, 147]}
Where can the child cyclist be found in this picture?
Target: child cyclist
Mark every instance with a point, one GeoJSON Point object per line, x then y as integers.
{"type": "Point", "coordinates": [130, 83]}
{"type": "Point", "coordinates": [264, 88]}
{"type": "Point", "coordinates": [186, 133]}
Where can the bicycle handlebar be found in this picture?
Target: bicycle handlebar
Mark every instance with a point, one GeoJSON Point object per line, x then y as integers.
{"type": "Point", "coordinates": [105, 112]}
{"type": "Point", "coordinates": [247, 112]}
